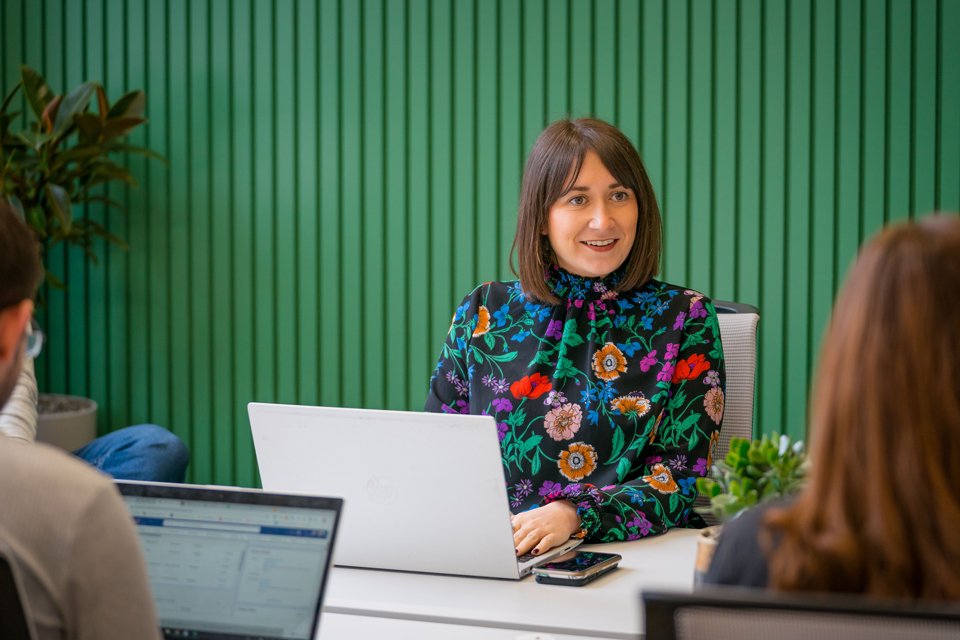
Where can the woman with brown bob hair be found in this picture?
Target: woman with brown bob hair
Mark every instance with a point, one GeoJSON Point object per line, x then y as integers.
{"type": "Point", "coordinates": [880, 514]}
{"type": "Point", "coordinates": [606, 384]}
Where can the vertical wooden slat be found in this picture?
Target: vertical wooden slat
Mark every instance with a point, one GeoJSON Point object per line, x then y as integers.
{"type": "Point", "coordinates": [443, 298]}
{"type": "Point", "coordinates": [397, 187]}
{"type": "Point", "coordinates": [200, 241]}
{"type": "Point", "coordinates": [329, 356]}
{"type": "Point", "coordinates": [849, 159]}
{"type": "Point", "coordinates": [823, 186]}
{"type": "Point", "coordinates": [874, 117]}
{"type": "Point", "coordinates": [485, 216]}
{"type": "Point", "coordinates": [350, 305]}
{"type": "Point", "coordinates": [627, 65]}
{"type": "Point", "coordinates": [375, 378]}
{"type": "Point", "coordinates": [606, 73]}
{"type": "Point", "coordinates": [701, 215]}
{"type": "Point", "coordinates": [653, 95]}
{"type": "Point", "coordinates": [116, 341]}
{"type": "Point", "coordinates": [510, 133]}
{"type": "Point", "coordinates": [464, 145]}
{"type": "Point", "coordinates": [284, 201]}
{"type": "Point", "coordinates": [95, 306]}
{"type": "Point", "coordinates": [182, 225]}
{"type": "Point", "coordinates": [157, 293]}
{"type": "Point", "coordinates": [924, 107]}
{"type": "Point", "coordinates": [221, 123]}
{"type": "Point", "coordinates": [242, 166]}
{"type": "Point", "coordinates": [770, 415]}
{"type": "Point", "coordinates": [722, 216]}
{"type": "Point", "coordinates": [558, 59]}
{"type": "Point", "coordinates": [948, 161]}
{"type": "Point", "coordinates": [796, 242]}
{"type": "Point", "coordinates": [418, 201]}
{"type": "Point", "coordinates": [899, 105]}
{"type": "Point", "coordinates": [674, 200]}
{"type": "Point", "coordinates": [749, 210]}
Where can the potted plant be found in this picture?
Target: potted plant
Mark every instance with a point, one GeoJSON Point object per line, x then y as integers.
{"type": "Point", "coordinates": [49, 171]}
{"type": "Point", "coordinates": [753, 472]}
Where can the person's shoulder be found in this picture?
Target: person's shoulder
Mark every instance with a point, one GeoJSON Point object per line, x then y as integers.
{"type": "Point", "coordinates": [681, 293]}
{"type": "Point", "coordinates": [495, 292]}
{"type": "Point", "coordinates": [48, 468]}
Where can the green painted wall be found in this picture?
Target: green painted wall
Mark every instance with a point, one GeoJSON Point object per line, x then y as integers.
{"type": "Point", "coordinates": [342, 172]}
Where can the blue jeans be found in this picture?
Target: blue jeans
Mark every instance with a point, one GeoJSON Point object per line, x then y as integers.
{"type": "Point", "coordinates": [141, 452]}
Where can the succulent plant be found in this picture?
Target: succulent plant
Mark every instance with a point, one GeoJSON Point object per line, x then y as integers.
{"type": "Point", "coordinates": [753, 471]}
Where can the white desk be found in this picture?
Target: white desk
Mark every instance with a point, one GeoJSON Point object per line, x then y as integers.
{"type": "Point", "coordinates": [368, 603]}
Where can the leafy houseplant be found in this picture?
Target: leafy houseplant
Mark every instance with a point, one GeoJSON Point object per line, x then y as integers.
{"type": "Point", "coordinates": [60, 162]}
{"type": "Point", "coordinates": [753, 472]}
{"type": "Point", "coordinates": [63, 159]}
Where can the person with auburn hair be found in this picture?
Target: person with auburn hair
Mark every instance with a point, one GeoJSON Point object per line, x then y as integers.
{"type": "Point", "coordinates": [606, 384]}
{"type": "Point", "coordinates": [880, 513]}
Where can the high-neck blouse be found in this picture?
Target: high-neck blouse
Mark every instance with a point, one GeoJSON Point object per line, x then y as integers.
{"type": "Point", "coordinates": [612, 400]}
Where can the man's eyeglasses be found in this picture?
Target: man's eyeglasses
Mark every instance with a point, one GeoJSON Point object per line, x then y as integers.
{"type": "Point", "coordinates": [34, 340]}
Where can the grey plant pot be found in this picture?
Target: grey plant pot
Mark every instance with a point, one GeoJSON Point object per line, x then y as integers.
{"type": "Point", "coordinates": [68, 422]}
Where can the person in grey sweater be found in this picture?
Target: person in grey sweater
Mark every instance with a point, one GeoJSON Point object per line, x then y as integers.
{"type": "Point", "coordinates": [63, 526]}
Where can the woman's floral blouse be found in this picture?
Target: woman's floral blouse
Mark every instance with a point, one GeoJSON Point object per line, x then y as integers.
{"type": "Point", "coordinates": [610, 400]}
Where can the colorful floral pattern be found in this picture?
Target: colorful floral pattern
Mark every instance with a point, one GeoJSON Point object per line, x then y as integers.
{"type": "Point", "coordinates": [636, 377]}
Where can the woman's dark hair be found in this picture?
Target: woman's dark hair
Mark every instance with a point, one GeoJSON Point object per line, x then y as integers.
{"type": "Point", "coordinates": [881, 511]}
{"type": "Point", "coordinates": [552, 169]}
{"type": "Point", "coordinates": [20, 270]}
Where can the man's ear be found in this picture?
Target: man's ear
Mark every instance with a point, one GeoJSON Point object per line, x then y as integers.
{"type": "Point", "coordinates": [13, 324]}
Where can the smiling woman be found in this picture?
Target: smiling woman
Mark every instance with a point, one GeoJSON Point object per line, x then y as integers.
{"type": "Point", "coordinates": [606, 384]}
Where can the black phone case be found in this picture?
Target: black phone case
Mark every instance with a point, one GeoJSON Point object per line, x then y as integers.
{"type": "Point", "coordinates": [574, 582]}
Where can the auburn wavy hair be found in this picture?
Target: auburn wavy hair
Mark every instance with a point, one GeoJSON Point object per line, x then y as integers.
{"type": "Point", "coordinates": [880, 514]}
{"type": "Point", "coordinates": [552, 169]}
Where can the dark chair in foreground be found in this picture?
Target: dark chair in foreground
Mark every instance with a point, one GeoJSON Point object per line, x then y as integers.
{"type": "Point", "coordinates": [14, 624]}
{"type": "Point", "coordinates": [748, 614]}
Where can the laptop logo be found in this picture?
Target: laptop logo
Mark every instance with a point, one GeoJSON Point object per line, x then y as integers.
{"type": "Point", "coordinates": [381, 490]}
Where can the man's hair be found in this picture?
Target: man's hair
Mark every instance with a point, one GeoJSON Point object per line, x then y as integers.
{"type": "Point", "coordinates": [881, 509]}
{"type": "Point", "coordinates": [20, 270]}
{"type": "Point", "coordinates": [552, 169]}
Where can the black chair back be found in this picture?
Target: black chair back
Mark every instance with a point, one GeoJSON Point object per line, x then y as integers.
{"type": "Point", "coordinates": [14, 623]}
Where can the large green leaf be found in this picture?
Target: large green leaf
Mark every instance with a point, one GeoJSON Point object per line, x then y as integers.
{"type": "Point", "coordinates": [618, 442]}
{"type": "Point", "coordinates": [119, 127]}
{"type": "Point", "coordinates": [60, 205]}
{"type": "Point", "coordinates": [131, 105]}
{"type": "Point", "coordinates": [36, 89]}
{"type": "Point", "coordinates": [73, 104]}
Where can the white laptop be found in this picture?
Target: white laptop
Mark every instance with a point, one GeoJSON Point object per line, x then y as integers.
{"type": "Point", "coordinates": [234, 564]}
{"type": "Point", "coordinates": [422, 492]}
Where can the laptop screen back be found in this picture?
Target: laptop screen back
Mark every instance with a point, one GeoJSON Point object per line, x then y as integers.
{"type": "Point", "coordinates": [234, 563]}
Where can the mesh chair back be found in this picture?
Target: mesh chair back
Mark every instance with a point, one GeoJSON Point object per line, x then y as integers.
{"type": "Point", "coordinates": [738, 332]}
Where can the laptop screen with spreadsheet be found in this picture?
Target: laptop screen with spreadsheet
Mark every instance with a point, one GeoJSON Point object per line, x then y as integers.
{"type": "Point", "coordinates": [233, 563]}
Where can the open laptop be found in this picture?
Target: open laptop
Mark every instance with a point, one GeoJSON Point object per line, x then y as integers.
{"type": "Point", "coordinates": [234, 564]}
{"type": "Point", "coordinates": [424, 492]}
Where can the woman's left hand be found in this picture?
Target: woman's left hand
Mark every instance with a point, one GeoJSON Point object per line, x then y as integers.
{"type": "Point", "coordinates": [545, 527]}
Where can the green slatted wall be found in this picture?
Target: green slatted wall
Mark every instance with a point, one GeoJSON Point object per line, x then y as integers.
{"type": "Point", "coordinates": [343, 171]}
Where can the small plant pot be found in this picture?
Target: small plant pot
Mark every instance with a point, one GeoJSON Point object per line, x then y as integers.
{"type": "Point", "coordinates": [706, 546]}
{"type": "Point", "coordinates": [68, 422]}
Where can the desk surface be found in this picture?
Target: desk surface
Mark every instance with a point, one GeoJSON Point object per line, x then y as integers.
{"type": "Point", "coordinates": [606, 608]}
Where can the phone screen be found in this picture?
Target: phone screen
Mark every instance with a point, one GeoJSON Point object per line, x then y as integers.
{"type": "Point", "coordinates": [576, 561]}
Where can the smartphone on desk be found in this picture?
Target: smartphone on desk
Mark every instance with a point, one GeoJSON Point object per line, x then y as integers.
{"type": "Point", "coordinates": [576, 568]}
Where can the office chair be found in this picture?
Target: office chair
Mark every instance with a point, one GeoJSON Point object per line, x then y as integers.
{"type": "Point", "coordinates": [745, 614]}
{"type": "Point", "coordinates": [738, 332]}
{"type": "Point", "coordinates": [14, 622]}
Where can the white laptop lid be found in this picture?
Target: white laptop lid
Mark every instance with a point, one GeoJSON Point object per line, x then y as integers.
{"type": "Point", "coordinates": [423, 492]}
{"type": "Point", "coordinates": [228, 563]}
